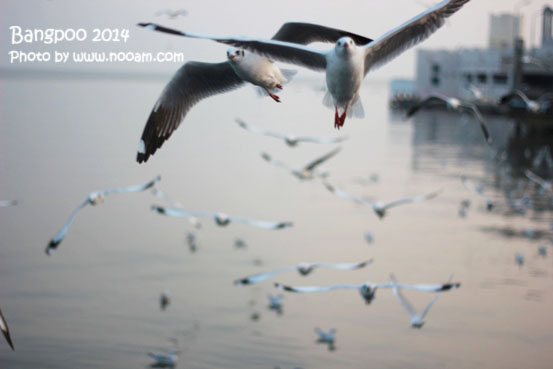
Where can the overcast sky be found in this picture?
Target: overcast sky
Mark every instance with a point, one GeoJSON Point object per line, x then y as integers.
{"type": "Point", "coordinates": [467, 28]}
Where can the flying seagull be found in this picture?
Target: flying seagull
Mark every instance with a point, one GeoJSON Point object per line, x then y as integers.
{"type": "Point", "coordinates": [164, 360]}
{"type": "Point", "coordinates": [275, 303]}
{"type": "Point", "coordinates": [530, 105]}
{"type": "Point", "coordinates": [417, 321]}
{"type": "Point", "coordinates": [5, 330]}
{"type": "Point", "coordinates": [195, 81]}
{"type": "Point", "coordinates": [545, 185]}
{"type": "Point", "coordinates": [456, 105]}
{"type": "Point", "coordinates": [172, 14]}
{"type": "Point", "coordinates": [158, 193]}
{"type": "Point", "coordinates": [221, 219]}
{"type": "Point", "coordinates": [326, 337]}
{"type": "Point", "coordinates": [378, 207]}
{"type": "Point", "coordinates": [303, 269]}
{"type": "Point", "coordinates": [368, 289]}
{"type": "Point", "coordinates": [289, 139]}
{"type": "Point", "coordinates": [347, 63]}
{"type": "Point", "coordinates": [94, 198]}
{"type": "Point", "coordinates": [309, 171]}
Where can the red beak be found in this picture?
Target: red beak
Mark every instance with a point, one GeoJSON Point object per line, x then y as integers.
{"type": "Point", "coordinates": [231, 56]}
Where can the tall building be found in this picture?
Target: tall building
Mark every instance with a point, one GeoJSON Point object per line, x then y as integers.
{"type": "Point", "coordinates": [504, 28]}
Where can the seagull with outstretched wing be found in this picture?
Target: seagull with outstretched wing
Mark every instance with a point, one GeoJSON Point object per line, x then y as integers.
{"type": "Point", "coordinates": [310, 171]}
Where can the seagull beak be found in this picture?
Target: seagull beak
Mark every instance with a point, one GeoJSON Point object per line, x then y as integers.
{"type": "Point", "coordinates": [231, 56]}
{"type": "Point", "coordinates": [346, 45]}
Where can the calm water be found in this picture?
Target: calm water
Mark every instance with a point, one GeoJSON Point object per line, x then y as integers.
{"type": "Point", "coordinates": [94, 303]}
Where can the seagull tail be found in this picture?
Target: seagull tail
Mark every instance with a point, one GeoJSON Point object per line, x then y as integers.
{"type": "Point", "coordinates": [288, 74]}
{"type": "Point", "coordinates": [328, 100]}
{"type": "Point", "coordinates": [356, 109]}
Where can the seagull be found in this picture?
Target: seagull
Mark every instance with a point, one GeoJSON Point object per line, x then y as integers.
{"type": "Point", "coordinates": [303, 269]}
{"type": "Point", "coordinates": [5, 330]}
{"type": "Point", "coordinates": [454, 104]}
{"type": "Point", "coordinates": [530, 105]}
{"type": "Point", "coordinates": [347, 63]}
{"type": "Point", "coordinates": [191, 241]}
{"type": "Point", "coordinates": [368, 289]}
{"type": "Point", "coordinates": [168, 360]}
{"type": "Point", "coordinates": [172, 14]}
{"type": "Point", "coordinates": [326, 337]}
{"type": "Point", "coordinates": [542, 250]}
{"type": "Point", "coordinates": [417, 321]}
{"type": "Point", "coordinates": [221, 219]}
{"type": "Point", "coordinates": [309, 171]}
{"type": "Point", "coordinates": [378, 207]}
{"type": "Point", "coordinates": [369, 237]}
{"type": "Point", "coordinates": [546, 185]}
{"type": "Point", "coordinates": [275, 302]}
{"type": "Point", "coordinates": [193, 220]}
{"type": "Point", "coordinates": [195, 81]}
{"type": "Point", "coordinates": [239, 243]}
{"type": "Point", "coordinates": [519, 259]}
{"type": "Point", "coordinates": [94, 198]}
{"type": "Point", "coordinates": [164, 299]}
{"type": "Point", "coordinates": [478, 190]}
{"type": "Point", "coordinates": [6, 203]}
{"type": "Point", "coordinates": [289, 139]}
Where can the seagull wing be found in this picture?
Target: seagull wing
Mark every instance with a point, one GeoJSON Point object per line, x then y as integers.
{"type": "Point", "coordinates": [430, 287]}
{"type": "Point", "coordinates": [322, 140]}
{"type": "Point", "coordinates": [175, 212]}
{"type": "Point", "coordinates": [403, 301]}
{"type": "Point", "coordinates": [345, 195]}
{"type": "Point", "coordinates": [322, 159]}
{"type": "Point", "coordinates": [261, 131]}
{"type": "Point", "coordinates": [432, 99]}
{"type": "Point", "coordinates": [427, 308]}
{"type": "Point", "coordinates": [56, 240]}
{"type": "Point", "coordinates": [261, 223]}
{"type": "Point", "coordinates": [5, 330]}
{"type": "Point", "coordinates": [304, 289]}
{"type": "Point", "coordinates": [408, 200]}
{"type": "Point", "coordinates": [262, 276]}
{"type": "Point", "coordinates": [193, 82]}
{"type": "Point", "coordinates": [306, 33]}
{"type": "Point", "coordinates": [476, 112]}
{"type": "Point", "coordinates": [345, 266]}
{"type": "Point", "coordinates": [408, 34]}
{"type": "Point", "coordinates": [273, 49]}
{"type": "Point", "coordinates": [137, 188]}
{"type": "Point", "coordinates": [277, 163]}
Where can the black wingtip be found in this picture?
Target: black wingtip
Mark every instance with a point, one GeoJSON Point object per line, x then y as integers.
{"type": "Point", "coordinates": [284, 225]}
{"type": "Point", "coordinates": [243, 281]}
{"type": "Point", "coordinates": [51, 247]}
{"type": "Point", "coordinates": [450, 286]}
{"type": "Point", "coordinates": [158, 209]}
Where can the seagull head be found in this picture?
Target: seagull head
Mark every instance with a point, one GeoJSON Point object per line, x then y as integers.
{"type": "Point", "coordinates": [417, 322]}
{"type": "Point", "coordinates": [367, 292]}
{"type": "Point", "coordinates": [305, 268]}
{"type": "Point", "coordinates": [222, 219]}
{"type": "Point", "coordinates": [345, 46]}
{"type": "Point", "coordinates": [235, 55]}
{"type": "Point", "coordinates": [95, 198]}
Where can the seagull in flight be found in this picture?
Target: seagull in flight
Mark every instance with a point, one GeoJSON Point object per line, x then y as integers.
{"type": "Point", "coordinates": [347, 63]}
{"type": "Point", "coordinates": [417, 321]}
{"type": "Point", "coordinates": [94, 198]}
{"type": "Point", "coordinates": [289, 139]}
{"type": "Point", "coordinates": [545, 185]}
{"type": "Point", "coordinates": [195, 81]}
{"type": "Point", "coordinates": [303, 269]}
{"type": "Point", "coordinates": [378, 207]}
{"type": "Point", "coordinates": [275, 302]}
{"type": "Point", "coordinates": [6, 203]}
{"type": "Point", "coordinates": [326, 337]}
{"type": "Point", "coordinates": [193, 220]}
{"type": "Point", "coordinates": [220, 219]}
{"type": "Point", "coordinates": [454, 104]}
{"type": "Point", "coordinates": [162, 360]}
{"type": "Point", "coordinates": [531, 106]}
{"type": "Point", "coordinates": [309, 171]}
{"type": "Point", "coordinates": [5, 330]}
{"type": "Point", "coordinates": [368, 289]}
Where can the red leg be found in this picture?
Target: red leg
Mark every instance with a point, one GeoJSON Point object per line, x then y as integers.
{"type": "Point", "coordinates": [342, 118]}
{"type": "Point", "coordinates": [279, 86]}
{"type": "Point", "coordinates": [336, 119]}
{"type": "Point", "coordinates": [275, 97]}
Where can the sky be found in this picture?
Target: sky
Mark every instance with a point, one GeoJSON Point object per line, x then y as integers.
{"type": "Point", "coordinates": [468, 28]}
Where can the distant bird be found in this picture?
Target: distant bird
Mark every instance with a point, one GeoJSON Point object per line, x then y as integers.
{"type": "Point", "coordinates": [289, 139]}
{"type": "Point", "coordinates": [368, 289]}
{"type": "Point", "coordinates": [369, 237]}
{"type": "Point", "coordinates": [479, 190]}
{"type": "Point", "coordinates": [191, 241]}
{"type": "Point", "coordinates": [519, 259]}
{"type": "Point", "coordinates": [164, 299]}
{"type": "Point", "coordinates": [303, 269]}
{"type": "Point", "coordinates": [542, 250]}
{"type": "Point", "coordinates": [326, 337]}
{"type": "Point", "coordinates": [195, 81]}
{"type": "Point", "coordinates": [417, 321]}
{"type": "Point", "coordinates": [162, 360]}
{"type": "Point", "coordinates": [455, 105]}
{"type": "Point", "coordinates": [6, 203]}
{"type": "Point", "coordinates": [220, 219]}
{"type": "Point", "coordinates": [530, 105]}
{"type": "Point", "coordinates": [378, 207]}
{"type": "Point", "coordinates": [347, 63]}
{"type": "Point", "coordinates": [275, 302]}
{"type": "Point", "coordinates": [193, 220]}
{"type": "Point", "coordinates": [239, 243]}
{"type": "Point", "coordinates": [310, 171]}
{"type": "Point", "coordinates": [94, 198]}
{"type": "Point", "coordinates": [545, 185]}
{"type": "Point", "coordinates": [5, 330]}
{"type": "Point", "coordinates": [172, 14]}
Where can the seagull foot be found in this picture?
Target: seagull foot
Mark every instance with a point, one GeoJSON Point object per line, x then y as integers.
{"type": "Point", "coordinates": [273, 96]}
{"type": "Point", "coordinates": [336, 119]}
{"type": "Point", "coordinates": [279, 86]}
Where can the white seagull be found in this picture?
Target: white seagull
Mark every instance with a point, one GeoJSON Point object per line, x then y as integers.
{"type": "Point", "coordinates": [162, 360]}
{"type": "Point", "coordinates": [310, 171]}
{"type": "Point", "coordinates": [378, 207]}
{"type": "Point", "coordinates": [530, 105]}
{"type": "Point", "coordinates": [289, 139]}
{"type": "Point", "coordinates": [195, 81]}
{"type": "Point", "coordinates": [545, 185]}
{"type": "Point", "coordinates": [5, 330]}
{"type": "Point", "coordinates": [275, 302]}
{"type": "Point", "coordinates": [220, 219]}
{"type": "Point", "coordinates": [326, 337]}
{"type": "Point", "coordinates": [417, 321]}
{"type": "Point", "coordinates": [6, 203]}
{"type": "Point", "coordinates": [303, 269]}
{"type": "Point", "coordinates": [94, 198]}
{"type": "Point", "coordinates": [454, 104]}
{"type": "Point", "coordinates": [347, 63]}
{"type": "Point", "coordinates": [368, 289]}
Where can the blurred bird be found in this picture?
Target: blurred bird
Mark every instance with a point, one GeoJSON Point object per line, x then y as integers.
{"type": "Point", "coordinates": [164, 299]}
{"type": "Point", "coordinates": [519, 259]}
{"type": "Point", "coordinates": [162, 360]}
{"type": "Point", "coordinates": [369, 237]}
{"type": "Point", "coordinates": [289, 139]}
{"type": "Point", "coordinates": [195, 81]}
{"type": "Point", "coordinates": [275, 302]}
{"type": "Point", "coordinates": [545, 185]}
{"type": "Point", "coordinates": [95, 198]}
{"type": "Point", "coordinates": [309, 171]}
{"type": "Point", "coordinates": [303, 269]}
{"type": "Point", "coordinates": [326, 337]}
{"type": "Point", "coordinates": [239, 243]}
{"type": "Point", "coordinates": [456, 105]}
{"type": "Point", "coordinates": [193, 220]}
{"type": "Point", "coordinates": [517, 95]}
{"type": "Point", "coordinates": [6, 203]}
{"type": "Point", "coordinates": [347, 63]}
{"type": "Point", "coordinates": [220, 219]}
{"type": "Point", "coordinates": [5, 330]}
{"type": "Point", "coordinates": [192, 242]}
{"type": "Point", "coordinates": [542, 250]}
{"type": "Point", "coordinates": [172, 14]}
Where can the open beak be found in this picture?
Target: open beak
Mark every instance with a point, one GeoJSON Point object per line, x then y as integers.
{"type": "Point", "coordinates": [231, 56]}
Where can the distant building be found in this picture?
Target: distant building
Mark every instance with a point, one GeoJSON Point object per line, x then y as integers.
{"type": "Point", "coordinates": [504, 28]}
{"type": "Point", "coordinates": [547, 35]}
